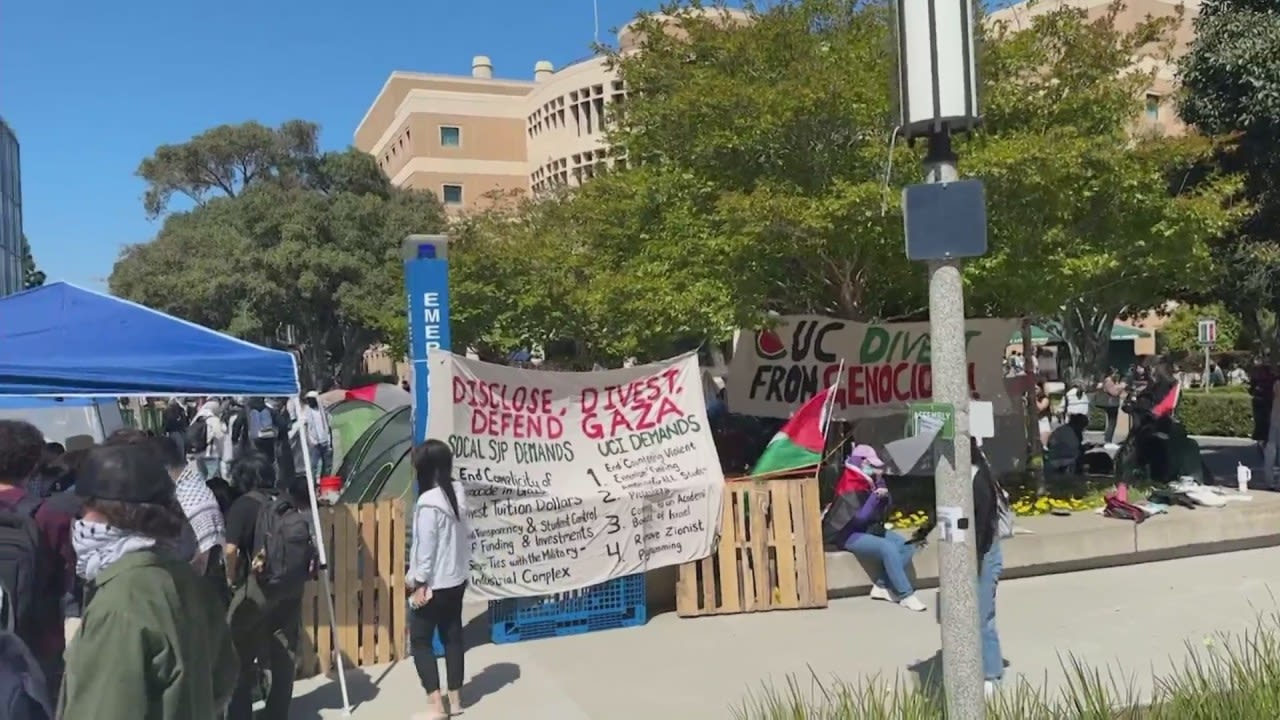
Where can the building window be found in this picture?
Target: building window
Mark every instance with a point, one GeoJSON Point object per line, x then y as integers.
{"type": "Point", "coordinates": [450, 136]}
{"type": "Point", "coordinates": [1153, 107]}
{"type": "Point", "coordinates": [451, 194]}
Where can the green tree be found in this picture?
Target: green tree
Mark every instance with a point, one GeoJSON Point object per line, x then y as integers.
{"type": "Point", "coordinates": [625, 266]}
{"type": "Point", "coordinates": [306, 252]}
{"type": "Point", "coordinates": [224, 160]}
{"type": "Point", "coordinates": [785, 120]}
{"type": "Point", "coordinates": [32, 277]}
{"type": "Point", "coordinates": [1180, 333]}
{"type": "Point", "coordinates": [1231, 88]}
{"type": "Point", "coordinates": [782, 124]}
{"type": "Point", "coordinates": [1090, 219]}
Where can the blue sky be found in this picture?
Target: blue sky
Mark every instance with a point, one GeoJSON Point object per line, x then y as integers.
{"type": "Point", "coordinates": [93, 87]}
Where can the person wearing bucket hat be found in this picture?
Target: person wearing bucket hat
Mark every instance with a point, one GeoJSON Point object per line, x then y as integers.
{"type": "Point", "coordinates": [153, 642]}
{"type": "Point", "coordinates": [865, 535]}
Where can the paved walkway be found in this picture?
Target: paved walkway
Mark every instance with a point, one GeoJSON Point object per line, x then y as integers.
{"type": "Point", "coordinates": [1136, 618]}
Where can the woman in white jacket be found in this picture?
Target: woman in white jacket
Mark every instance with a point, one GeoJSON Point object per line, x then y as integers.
{"type": "Point", "coordinates": [214, 431]}
{"type": "Point", "coordinates": [439, 566]}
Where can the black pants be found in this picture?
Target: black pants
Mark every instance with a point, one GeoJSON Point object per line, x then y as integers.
{"type": "Point", "coordinates": [266, 638]}
{"type": "Point", "coordinates": [443, 611]}
{"type": "Point", "coordinates": [1113, 416]}
{"type": "Point", "coordinates": [267, 448]}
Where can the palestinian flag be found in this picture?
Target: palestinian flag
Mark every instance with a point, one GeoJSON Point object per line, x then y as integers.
{"type": "Point", "coordinates": [799, 444]}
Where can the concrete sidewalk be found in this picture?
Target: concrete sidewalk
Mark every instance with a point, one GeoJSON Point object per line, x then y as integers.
{"type": "Point", "coordinates": [1139, 617]}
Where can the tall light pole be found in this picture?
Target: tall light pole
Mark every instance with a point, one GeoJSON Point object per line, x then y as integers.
{"type": "Point", "coordinates": [945, 220]}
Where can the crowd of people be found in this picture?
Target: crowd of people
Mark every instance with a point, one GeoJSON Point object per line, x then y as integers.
{"type": "Point", "coordinates": [220, 430]}
{"type": "Point", "coordinates": [179, 558]}
{"type": "Point", "coordinates": [182, 571]}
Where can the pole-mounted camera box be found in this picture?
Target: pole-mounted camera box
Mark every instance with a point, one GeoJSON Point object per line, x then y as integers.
{"type": "Point", "coordinates": [425, 247]}
{"type": "Point", "coordinates": [937, 78]}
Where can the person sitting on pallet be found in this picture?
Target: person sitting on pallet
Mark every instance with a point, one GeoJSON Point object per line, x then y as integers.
{"type": "Point", "coordinates": [855, 522]}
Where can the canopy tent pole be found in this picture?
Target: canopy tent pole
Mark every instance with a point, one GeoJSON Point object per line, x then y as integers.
{"type": "Point", "coordinates": [323, 559]}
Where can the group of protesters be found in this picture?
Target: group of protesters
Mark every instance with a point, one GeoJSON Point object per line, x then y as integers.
{"type": "Point", "coordinates": [182, 577]}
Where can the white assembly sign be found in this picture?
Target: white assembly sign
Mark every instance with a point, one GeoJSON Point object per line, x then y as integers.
{"type": "Point", "coordinates": [949, 524]}
{"type": "Point", "coordinates": [573, 479]}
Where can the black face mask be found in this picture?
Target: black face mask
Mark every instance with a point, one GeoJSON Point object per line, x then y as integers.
{"type": "Point", "coordinates": [311, 403]}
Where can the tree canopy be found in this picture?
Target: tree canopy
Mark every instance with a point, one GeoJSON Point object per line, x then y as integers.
{"type": "Point", "coordinates": [759, 177]}
{"type": "Point", "coordinates": [297, 247]}
{"type": "Point", "coordinates": [1231, 89]}
{"type": "Point", "coordinates": [32, 276]}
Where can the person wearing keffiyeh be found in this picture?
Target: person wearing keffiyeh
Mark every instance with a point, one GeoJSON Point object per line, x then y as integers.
{"type": "Point", "coordinates": [861, 485]}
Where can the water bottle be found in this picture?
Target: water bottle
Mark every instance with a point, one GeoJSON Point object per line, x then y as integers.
{"type": "Point", "coordinates": [1243, 476]}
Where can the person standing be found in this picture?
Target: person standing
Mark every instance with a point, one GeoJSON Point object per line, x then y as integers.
{"type": "Point", "coordinates": [205, 531]}
{"type": "Point", "coordinates": [205, 436]}
{"type": "Point", "coordinates": [270, 556]}
{"type": "Point", "coordinates": [440, 565]}
{"type": "Point", "coordinates": [1112, 398]}
{"type": "Point", "coordinates": [174, 424]}
{"type": "Point", "coordinates": [1261, 382]}
{"type": "Point", "coordinates": [262, 427]}
{"type": "Point", "coordinates": [1271, 451]}
{"type": "Point", "coordinates": [1077, 401]}
{"type": "Point", "coordinates": [153, 643]}
{"type": "Point", "coordinates": [993, 520]}
{"type": "Point", "coordinates": [36, 558]}
{"type": "Point", "coordinates": [319, 435]}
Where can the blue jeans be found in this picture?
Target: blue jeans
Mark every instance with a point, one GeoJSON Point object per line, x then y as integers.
{"type": "Point", "coordinates": [988, 579]}
{"type": "Point", "coordinates": [893, 553]}
{"type": "Point", "coordinates": [321, 460]}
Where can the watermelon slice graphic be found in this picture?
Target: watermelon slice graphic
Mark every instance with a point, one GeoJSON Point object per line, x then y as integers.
{"type": "Point", "coordinates": [769, 346]}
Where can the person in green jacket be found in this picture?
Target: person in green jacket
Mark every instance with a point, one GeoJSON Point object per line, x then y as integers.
{"type": "Point", "coordinates": [153, 642]}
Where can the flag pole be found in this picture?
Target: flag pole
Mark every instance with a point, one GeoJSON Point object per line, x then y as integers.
{"type": "Point", "coordinates": [829, 408]}
{"type": "Point", "coordinates": [831, 400]}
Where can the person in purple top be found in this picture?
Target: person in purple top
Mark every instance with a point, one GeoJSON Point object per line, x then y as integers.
{"type": "Point", "coordinates": [866, 536]}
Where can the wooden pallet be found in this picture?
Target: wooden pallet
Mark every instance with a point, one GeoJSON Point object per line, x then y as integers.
{"type": "Point", "coordinates": [366, 552]}
{"type": "Point", "coordinates": [769, 555]}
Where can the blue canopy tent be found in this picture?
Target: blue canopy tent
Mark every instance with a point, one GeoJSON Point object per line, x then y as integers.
{"type": "Point", "coordinates": [63, 340]}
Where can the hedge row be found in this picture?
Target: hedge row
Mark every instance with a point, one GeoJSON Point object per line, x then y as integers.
{"type": "Point", "coordinates": [1219, 412]}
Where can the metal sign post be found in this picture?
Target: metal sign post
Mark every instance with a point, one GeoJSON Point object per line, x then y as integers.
{"type": "Point", "coordinates": [944, 221]}
{"type": "Point", "coordinates": [1207, 334]}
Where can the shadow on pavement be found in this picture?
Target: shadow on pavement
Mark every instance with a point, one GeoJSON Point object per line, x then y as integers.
{"type": "Point", "coordinates": [928, 674]}
{"type": "Point", "coordinates": [360, 689]}
{"type": "Point", "coordinates": [489, 681]}
{"type": "Point", "coordinates": [929, 677]}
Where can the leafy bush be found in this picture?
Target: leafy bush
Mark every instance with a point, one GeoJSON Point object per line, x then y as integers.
{"type": "Point", "coordinates": [1230, 678]}
{"type": "Point", "coordinates": [1224, 413]}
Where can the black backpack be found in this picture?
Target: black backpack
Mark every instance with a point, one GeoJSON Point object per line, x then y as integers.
{"type": "Point", "coordinates": [284, 548]}
{"type": "Point", "coordinates": [24, 695]}
{"type": "Point", "coordinates": [198, 435]}
{"type": "Point", "coordinates": [20, 574]}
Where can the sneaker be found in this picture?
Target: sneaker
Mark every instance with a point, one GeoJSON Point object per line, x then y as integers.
{"type": "Point", "coordinates": [989, 689]}
{"type": "Point", "coordinates": [912, 603]}
{"type": "Point", "coordinates": [881, 593]}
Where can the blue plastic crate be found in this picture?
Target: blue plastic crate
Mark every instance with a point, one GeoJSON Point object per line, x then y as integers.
{"type": "Point", "coordinates": [614, 604]}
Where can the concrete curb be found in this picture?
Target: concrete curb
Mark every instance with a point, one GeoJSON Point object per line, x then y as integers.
{"type": "Point", "coordinates": [1087, 541]}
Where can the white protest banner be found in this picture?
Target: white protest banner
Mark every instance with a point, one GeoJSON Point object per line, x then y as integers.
{"type": "Point", "coordinates": [573, 479]}
{"type": "Point", "coordinates": [886, 366]}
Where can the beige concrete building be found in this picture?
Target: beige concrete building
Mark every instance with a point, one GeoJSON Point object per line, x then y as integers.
{"type": "Point", "coordinates": [1159, 111]}
{"type": "Point", "coordinates": [465, 137]}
